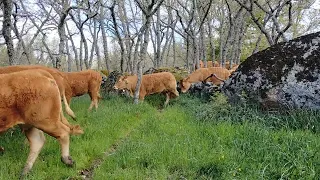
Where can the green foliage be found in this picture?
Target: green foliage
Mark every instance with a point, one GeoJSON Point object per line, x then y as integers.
{"type": "Point", "coordinates": [105, 72]}
{"type": "Point", "coordinates": [179, 73]}
{"type": "Point", "coordinates": [188, 139]}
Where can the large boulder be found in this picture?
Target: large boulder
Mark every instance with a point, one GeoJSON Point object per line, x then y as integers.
{"type": "Point", "coordinates": [284, 75]}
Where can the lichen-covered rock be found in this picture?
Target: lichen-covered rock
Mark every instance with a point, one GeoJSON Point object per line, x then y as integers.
{"type": "Point", "coordinates": [108, 82]}
{"type": "Point", "coordinates": [284, 75]}
{"type": "Point", "coordinates": [203, 90]}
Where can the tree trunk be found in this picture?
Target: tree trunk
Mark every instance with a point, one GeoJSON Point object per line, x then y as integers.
{"type": "Point", "coordinates": [212, 46]}
{"type": "Point", "coordinates": [174, 49]}
{"type": "Point", "coordinates": [6, 29]}
{"type": "Point", "coordinates": [127, 39]}
{"type": "Point", "coordinates": [75, 51]}
{"type": "Point", "coordinates": [80, 55]}
{"type": "Point", "coordinates": [104, 40]}
{"type": "Point", "coordinates": [143, 54]}
{"type": "Point", "coordinates": [117, 33]}
{"type": "Point", "coordinates": [69, 57]}
{"type": "Point", "coordinates": [158, 41]}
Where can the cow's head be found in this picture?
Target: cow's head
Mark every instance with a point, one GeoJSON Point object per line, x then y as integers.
{"type": "Point", "coordinates": [121, 84]}
{"type": "Point", "coordinates": [184, 85]}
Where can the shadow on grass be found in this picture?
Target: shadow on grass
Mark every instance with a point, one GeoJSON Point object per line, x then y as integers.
{"type": "Point", "coordinates": [210, 171]}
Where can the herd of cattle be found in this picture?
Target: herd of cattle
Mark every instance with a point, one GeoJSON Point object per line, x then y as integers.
{"type": "Point", "coordinates": [31, 95]}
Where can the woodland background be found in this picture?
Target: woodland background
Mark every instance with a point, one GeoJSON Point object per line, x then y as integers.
{"type": "Point", "coordinates": [124, 35]}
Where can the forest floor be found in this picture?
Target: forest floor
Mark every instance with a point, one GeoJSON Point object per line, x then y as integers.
{"type": "Point", "coordinates": [189, 139]}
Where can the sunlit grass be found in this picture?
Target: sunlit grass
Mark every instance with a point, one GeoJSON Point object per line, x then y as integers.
{"type": "Point", "coordinates": [188, 139]}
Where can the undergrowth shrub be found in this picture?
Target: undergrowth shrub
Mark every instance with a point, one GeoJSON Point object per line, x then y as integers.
{"type": "Point", "coordinates": [219, 110]}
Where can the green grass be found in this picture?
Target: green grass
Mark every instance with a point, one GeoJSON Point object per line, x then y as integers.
{"type": "Point", "coordinates": [188, 139]}
{"type": "Point", "coordinates": [113, 120]}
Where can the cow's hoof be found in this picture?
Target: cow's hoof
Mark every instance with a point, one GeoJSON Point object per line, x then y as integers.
{"type": "Point", "coordinates": [24, 172]}
{"type": "Point", "coordinates": [68, 161]}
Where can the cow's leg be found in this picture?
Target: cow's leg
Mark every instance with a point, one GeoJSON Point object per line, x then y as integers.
{"type": "Point", "coordinates": [141, 97]}
{"type": "Point", "coordinates": [176, 92]}
{"type": "Point", "coordinates": [167, 99]}
{"type": "Point", "coordinates": [65, 154]}
{"type": "Point", "coordinates": [94, 100]}
{"type": "Point", "coordinates": [61, 132]}
{"type": "Point", "coordinates": [36, 140]}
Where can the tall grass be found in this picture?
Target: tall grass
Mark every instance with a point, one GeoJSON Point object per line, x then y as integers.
{"type": "Point", "coordinates": [196, 140]}
{"type": "Point", "coordinates": [188, 139]}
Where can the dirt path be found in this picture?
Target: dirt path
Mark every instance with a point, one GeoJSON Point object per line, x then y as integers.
{"type": "Point", "coordinates": [87, 173]}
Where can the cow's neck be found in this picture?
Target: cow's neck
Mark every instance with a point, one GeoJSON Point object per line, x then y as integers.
{"type": "Point", "coordinates": [133, 83]}
{"type": "Point", "coordinates": [196, 76]}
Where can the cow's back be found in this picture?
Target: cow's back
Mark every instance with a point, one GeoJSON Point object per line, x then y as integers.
{"type": "Point", "coordinates": [56, 74]}
{"type": "Point", "coordinates": [84, 81]}
{"type": "Point", "coordinates": [158, 82]}
{"type": "Point", "coordinates": [22, 93]}
{"type": "Point", "coordinates": [220, 72]}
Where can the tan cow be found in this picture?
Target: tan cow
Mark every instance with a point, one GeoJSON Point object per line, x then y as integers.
{"type": "Point", "coordinates": [80, 83]}
{"type": "Point", "coordinates": [209, 64]}
{"type": "Point", "coordinates": [213, 74]}
{"type": "Point", "coordinates": [217, 64]}
{"type": "Point", "coordinates": [163, 82]}
{"type": "Point", "coordinates": [54, 72]}
{"type": "Point", "coordinates": [31, 99]}
{"type": "Point", "coordinates": [234, 68]}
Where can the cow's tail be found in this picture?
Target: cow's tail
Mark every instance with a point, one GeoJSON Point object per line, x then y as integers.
{"type": "Point", "coordinates": [74, 129]}
{"type": "Point", "coordinates": [67, 107]}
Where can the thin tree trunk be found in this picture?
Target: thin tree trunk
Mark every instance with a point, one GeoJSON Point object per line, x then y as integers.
{"type": "Point", "coordinates": [21, 41]}
{"type": "Point", "coordinates": [136, 54]}
{"type": "Point", "coordinates": [120, 41]}
{"type": "Point", "coordinates": [143, 54]}
{"type": "Point", "coordinates": [256, 48]}
{"type": "Point", "coordinates": [158, 41]}
{"type": "Point", "coordinates": [69, 57]}
{"type": "Point", "coordinates": [6, 29]}
{"type": "Point", "coordinates": [80, 55]}
{"type": "Point", "coordinates": [75, 51]}
{"type": "Point", "coordinates": [53, 60]}
{"type": "Point", "coordinates": [104, 39]}
{"type": "Point", "coordinates": [174, 49]}
{"type": "Point", "coordinates": [212, 46]}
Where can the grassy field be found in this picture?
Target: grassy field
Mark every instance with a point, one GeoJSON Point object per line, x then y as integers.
{"type": "Point", "coordinates": [188, 139]}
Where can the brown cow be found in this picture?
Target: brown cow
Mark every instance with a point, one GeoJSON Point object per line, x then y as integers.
{"type": "Point", "coordinates": [54, 72]}
{"type": "Point", "coordinates": [234, 68]}
{"type": "Point", "coordinates": [31, 99]}
{"type": "Point", "coordinates": [150, 84]}
{"type": "Point", "coordinates": [83, 82]}
{"type": "Point", "coordinates": [216, 64]}
{"type": "Point", "coordinates": [213, 74]}
{"type": "Point", "coordinates": [209, 64]}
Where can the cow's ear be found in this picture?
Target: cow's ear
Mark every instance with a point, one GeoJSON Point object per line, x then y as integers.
{"type": "Point", "coordinates": [121, 78]}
